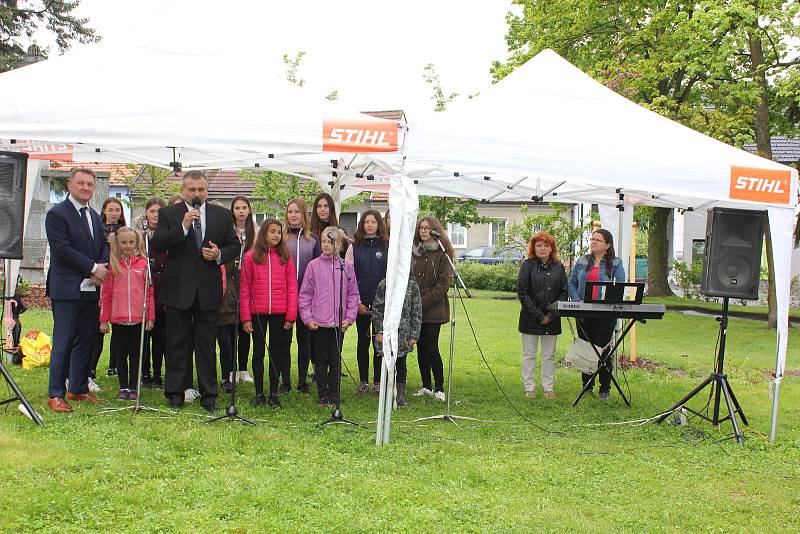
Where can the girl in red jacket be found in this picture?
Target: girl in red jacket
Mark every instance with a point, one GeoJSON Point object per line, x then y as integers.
{"type": "Point", "coordinates": [268, 298]}
{"type": "Point", "coordinates": [121, 299]}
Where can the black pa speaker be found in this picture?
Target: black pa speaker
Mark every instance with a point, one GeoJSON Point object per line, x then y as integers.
{"type": "Point", "coordinates": [732, 259]}
{"type": "Point", "coordinates": [13, 173]}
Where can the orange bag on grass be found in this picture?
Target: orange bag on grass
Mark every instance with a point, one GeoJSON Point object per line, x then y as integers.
{"type": "Point", "coordinates": [35, 346]}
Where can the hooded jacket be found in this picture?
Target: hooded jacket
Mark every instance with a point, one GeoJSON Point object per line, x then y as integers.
{"type": "Point", "coordinates": [432, 272]}
{"type": "Point", "coordinates": [319, 297]}
{"type": "Point", "coordinates": [121, 295]}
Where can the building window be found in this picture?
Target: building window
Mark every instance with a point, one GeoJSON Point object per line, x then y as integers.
{"type": "Point", "coordinates": [498, 226]}
{"type": "Point", "coordinates": [458, 235]}
{"type": "Point", "coordinates": [260, 217]}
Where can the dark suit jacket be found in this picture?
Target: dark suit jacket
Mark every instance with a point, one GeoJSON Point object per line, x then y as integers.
{"type": "Point", "coordinates": [73, 250]}
{"type": "Point", "coordinates": [186, 273]}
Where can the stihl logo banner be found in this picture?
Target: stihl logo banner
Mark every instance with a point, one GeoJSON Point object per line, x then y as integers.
{"type": "Point", "coordinates": [39, 150]}
{"type": "Point", "coordinates": [760, 185]}
{"type": "Point", "coordinates": [343, 135]}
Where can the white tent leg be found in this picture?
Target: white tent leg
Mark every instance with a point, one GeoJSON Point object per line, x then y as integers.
{"type": "Point", "coordinates": [773, 430]}
{"type": "Point", "coordinates": [388, 403]}
{"type": "Point", "coordinates": [379, 439]}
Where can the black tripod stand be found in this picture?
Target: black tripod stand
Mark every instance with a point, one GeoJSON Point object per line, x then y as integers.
{"type": "Point", "coordinates": [720, 387]}
{"type": "Point", "coordinates": [337, 416]}
{"type": "Point", "coordinates": [232, 413]}
{"type": "Point", "coordinates": [18, 395]}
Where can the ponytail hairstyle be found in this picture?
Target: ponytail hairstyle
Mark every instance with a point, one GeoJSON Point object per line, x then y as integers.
{"type": "Point", "coordinates": [317, 224]}
{"type": "Point", "coordinates": [249, 227]}
{"type": "Point", "coordinates": [610, 253]}
{"type": "Point", "coordinates": [115, 256]}
{"type": "Point", "coordinates": [381, 232]}
{"type": "Point", "coordinates": [305, 228]}
{"type": "Point", "coordinates": [260, 247]}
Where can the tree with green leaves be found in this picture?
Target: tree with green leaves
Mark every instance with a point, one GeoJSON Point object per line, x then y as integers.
{"type": "Point", "coordinates": [274, 190]}
{"type": "Point", "coordinates": [20, 20]}
{"type": "Point", "coordinates": [555, 222]}
{"type": "Point", "coordinates": [688, 60]}
{"type": "Point", "coordinates": [149, 181]}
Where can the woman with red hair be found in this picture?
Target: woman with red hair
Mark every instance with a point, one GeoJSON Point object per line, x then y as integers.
{"type": "Point", "coordinates": [542, 280]}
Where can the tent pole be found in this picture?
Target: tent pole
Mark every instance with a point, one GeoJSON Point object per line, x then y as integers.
{"type": "Point", "coordinates": [776, 394]}
{"type": "Point", "coordinates": [379, 440]}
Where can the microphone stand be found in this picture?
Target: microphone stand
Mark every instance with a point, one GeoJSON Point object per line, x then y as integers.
{"type": "Point", "coordinates": [138, 407]}
{"type": "Point", "coordinates": [447, 416]}
{"type": "Point", "coordinates": [232, 413]}
{"type": "Point", "coordinates": [337, 416]}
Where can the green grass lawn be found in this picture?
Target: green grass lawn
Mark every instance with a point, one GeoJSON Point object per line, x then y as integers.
{"type": "Point", "coordinates": [560, 469]}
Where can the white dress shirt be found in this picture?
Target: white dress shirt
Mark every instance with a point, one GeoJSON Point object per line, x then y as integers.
{"type": "Point", "coordinates": [78, 205]}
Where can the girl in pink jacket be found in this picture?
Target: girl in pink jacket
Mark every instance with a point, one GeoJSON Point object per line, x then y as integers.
{"type": "Point", "coordinates": [319, 310]}
{"type": "Point", "coordinates": [121, 299]}
{"type": "Point", "coordinates": [268, 299]}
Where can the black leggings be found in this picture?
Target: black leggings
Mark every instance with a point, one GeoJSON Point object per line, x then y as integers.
{"type": "Point", "coordinates": [429, 358]}
{"type": "Point", "coordinates": [365, 333]}
{"type": "Point", "coordinates": [279, 340]}
{"type": "Point", "coordinates": [243, 348]}
{"type": "Point", "coordinates": [327, 362]}
{"type": "Point", "coordinates": [155, 342]}
{"type": "Point", "coordinates": [401, 369]}
{"type": "Point", "coordinates": [598, 332]}
{"type": "Point", "coordinates": [304, 353]}
{"type": "Point", "coordinates": [127, 342]}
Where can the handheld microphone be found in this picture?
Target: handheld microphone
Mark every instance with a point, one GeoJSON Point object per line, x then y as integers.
{"type": "Point", "coordinates": [434, 233]}
{"type": "Point", "coordinates": [332, 237]}
{"type": "Point", "coordinates": [144, 225]}
{"type": "Point", "coordinates": [196, 203]}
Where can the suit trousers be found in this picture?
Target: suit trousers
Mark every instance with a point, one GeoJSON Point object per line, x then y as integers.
{"type": "Point", "coordinates": [191, 331]}
{"type": "Point", "coordinates": [74, 329]}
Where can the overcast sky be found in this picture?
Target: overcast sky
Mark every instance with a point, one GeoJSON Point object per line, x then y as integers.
{"type": "Point", "coordinates": [372, 52]}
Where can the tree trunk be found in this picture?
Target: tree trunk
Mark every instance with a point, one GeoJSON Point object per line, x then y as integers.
{"type": "Point", "coordinates": [658, 255]}
{"type": "Point", "coordinates": [764, 148]}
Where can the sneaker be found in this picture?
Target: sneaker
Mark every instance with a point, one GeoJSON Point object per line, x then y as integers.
{"type": "Point", "coordinates": [259, 401]}
{"type": "Point", "coordinates": [94, 387]}
{"type": "Point", "coordinates": [284, 388]}
{"type": "Point", "coordinates": [132, 395]}
{"type": "Point", "coordinates": [244, 376]}
{"type": "Point", "coordinates": [112, 371]}
{"type": "Point", "coordinates": [376, 388]}
{"type": "Point", "coordinates": [227, 386]}
{"type": "Point", "coordinates": [123, 394]}
{"type": "Point", "coordinates": [302, 387]}
{"type": "Point", "coordinates": [550, 394]}
{"type": "Point", "coordinates": [604, 395]}
{"type": "Point", "coordinates": [362, 388]}
{"type": "Point", "coordinates": [273, 400]}
{"type": "Point", "coordinates": [531, 394]}
{"type": "Point", "coordinates": [439, 395]}
{"type": "Point", "coordinates": [423, 391]}
{"type": "Point", "coordinates": [190, 395]}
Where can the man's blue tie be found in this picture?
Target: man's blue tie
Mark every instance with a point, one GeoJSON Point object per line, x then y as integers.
{"type": "Point", "coordinates": [85, 218]}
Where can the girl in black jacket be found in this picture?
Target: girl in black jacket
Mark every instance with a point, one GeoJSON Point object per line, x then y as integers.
{"type": "Point", "coordinates": [542, 280]}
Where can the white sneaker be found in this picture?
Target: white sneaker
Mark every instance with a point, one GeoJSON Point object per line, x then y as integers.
{"type": "Point", "coordinates": [93, 386]}
{"type": "Point", "coordinates": [439, 395]}
{"type": "Point", "coordinates": [189, 395]}
{"type": "Point", "coordinates": [244, 377]}
{"type": "Point", "coordinates": [422, 392]}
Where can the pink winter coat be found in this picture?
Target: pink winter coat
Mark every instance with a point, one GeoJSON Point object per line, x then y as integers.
{"type": "Point", "coordinates": [319, 296]}
{"type": "Point", "coordinates": [267, 288]}
{"type": "Point", "coordinates": [121, 294]}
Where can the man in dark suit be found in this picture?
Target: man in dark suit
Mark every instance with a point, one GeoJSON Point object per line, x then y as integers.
{"type": "Point", "coordinates": [197, 242]}
{"type": "Point", "coordinates": [78, 252]}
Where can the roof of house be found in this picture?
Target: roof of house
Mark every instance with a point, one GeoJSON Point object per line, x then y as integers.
{"type": "Point", "coordinates": [118, 173]}
{"type": "Point", "coordinates": [784, 149]}
{"type": "Point", "coordinates": [223, 182]}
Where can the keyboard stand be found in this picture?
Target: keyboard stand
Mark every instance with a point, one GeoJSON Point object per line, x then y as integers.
{"type": "Point", "coordinates": [603, 358]}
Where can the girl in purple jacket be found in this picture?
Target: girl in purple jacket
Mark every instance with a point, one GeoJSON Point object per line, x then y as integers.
{"type": "Point", "coordinates": [319, 311]}
{"type": "Point", "coordinates": [304, 247]}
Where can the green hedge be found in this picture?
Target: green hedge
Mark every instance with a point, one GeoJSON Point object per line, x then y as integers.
{"type": "Point", "coordinates": [501, 277]}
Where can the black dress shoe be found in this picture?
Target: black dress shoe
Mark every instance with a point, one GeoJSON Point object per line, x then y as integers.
{"type": "Point", "coordinates": [211, 407]}
{"type": "Point", "coordinates": [176, 404]}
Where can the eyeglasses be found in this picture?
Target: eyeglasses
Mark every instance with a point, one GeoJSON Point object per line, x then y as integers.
{"type": "Point", "coordinates": [424, 227]}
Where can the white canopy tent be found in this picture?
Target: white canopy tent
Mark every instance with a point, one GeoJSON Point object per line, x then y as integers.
{"type": "Point", "coordinates": [549, 132]}
{"type": "Point", "coordinates": [546, 132]}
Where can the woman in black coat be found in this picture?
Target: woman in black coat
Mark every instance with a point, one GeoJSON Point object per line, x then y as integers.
{"type": "Point", "coordinates": [542, 280]}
